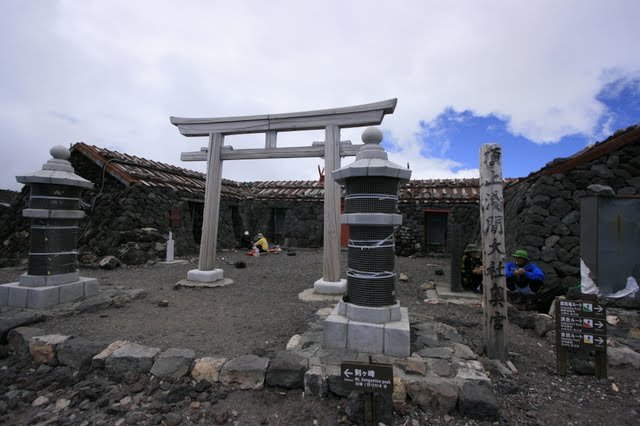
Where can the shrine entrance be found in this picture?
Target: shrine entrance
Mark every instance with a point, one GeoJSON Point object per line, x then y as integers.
{"type": "Point", "coordinates": [332, 149]}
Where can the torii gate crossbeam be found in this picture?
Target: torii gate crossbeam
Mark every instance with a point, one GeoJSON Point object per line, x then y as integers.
{"type": "Point", "coordinates": [331, 120]}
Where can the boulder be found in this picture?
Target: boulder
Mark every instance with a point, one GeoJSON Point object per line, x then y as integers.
{"type": "Point", "coordinates": [135, 257]}
{"type": "Point", "coordinates": [287, 370]}
{"type": "Point", "coordinates": [315, 381]}
{"type": "Point", "coordinates": [436, 395]}
{"type": "Point", "coordinates": [621, 355]}
{"type": "Point", "coordinates": [19, 338]}
{"type": "Point", "coordinates": [98, 361]}
{"type": "Point", "coordinates": [43, 348]}
{"type": "Point", "coordinates": [412, 365]}
{"type": "Point", "coordinates": [207, 368]}
{"type": "Point", "coordinates": [543, 324]}
{"type": "Point", "coordinates": [478, 401]}
{"type": "Point", "coordinates": [335, 382]}
{"type": "Point", "coordinates": [79, 352]}
{"type": "Point", "coordinates": [441, 353]}
{"type": "Point", "coordinates": [23, 319]}
{"type": "Point", "coordinates": [244, 372]}
{"type": "Point", "coordinates": [109, 262]}
{"type": "Point", "coordinates": [399, 390]}
{"type": "Point", "coordinates": [130, 357]}
{"type": "Point", "coordinates": [173, 363]}
{"type": "Point", "coordinates": [440, 367]}
{"type": "Point", "coordinates": [463, 351]}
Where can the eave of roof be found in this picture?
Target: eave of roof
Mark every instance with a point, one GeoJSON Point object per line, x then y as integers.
{"type": "Point", "coordinates": [614, 142]}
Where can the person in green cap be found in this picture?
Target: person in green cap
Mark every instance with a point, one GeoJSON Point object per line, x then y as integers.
{"type": "Point", "coordinates": [524, 278]}
{"type": "Point", "coordinates": [472, 269]}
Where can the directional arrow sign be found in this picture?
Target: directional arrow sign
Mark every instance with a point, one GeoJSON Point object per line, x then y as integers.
{"type": "Point", "coordinates": [598, 308]}
{"type": "Point", "coordinates": [599, 340]}
{"type": "Point", "coordinates": [367, 377]}
{"type": "Point", "coordinates": [598, 324]}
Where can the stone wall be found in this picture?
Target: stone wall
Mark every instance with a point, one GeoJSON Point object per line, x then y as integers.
{"type": "Point", "coordinates": [543, 212]}
{"type": "Point", "coordinates": [303, 223]}
{"type": "Point", "coordinates": [410, 236]}
{"type": "Point", "coordinates": [14, 231]}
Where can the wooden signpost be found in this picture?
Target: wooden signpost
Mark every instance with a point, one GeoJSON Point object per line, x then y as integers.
{"type": "Point", "coordinates": [493, 252]}
{"type": "Point", "coordinates": [368, 377]}
{"type": "Point", "coordinates": [581, 325]}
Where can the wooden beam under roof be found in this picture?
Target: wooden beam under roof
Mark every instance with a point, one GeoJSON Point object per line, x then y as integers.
{"type": "Point", "coordinates": [353, 116]}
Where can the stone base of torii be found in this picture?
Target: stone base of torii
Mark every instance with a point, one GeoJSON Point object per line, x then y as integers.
{"type": "Point", "coordinates": [331, 120]}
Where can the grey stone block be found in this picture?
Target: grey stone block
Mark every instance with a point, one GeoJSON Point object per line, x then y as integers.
{"type": "Point", "coordinates": [365, 337]}
{"type": "Point", "coordinates": [441, 353]}
{"type": "Point", "coordinates": [130, 357]}
{"type": "Point", "coordinates": [397, 339]}
{"type": "Point", "coordinates": [315, 382]}
{"type": "Point", "coordinates": [4, 295]}
{"type": "Point", "coordinates": [43, 297]}
{"type": "Point", "coordinates": [173, 362]}
{"type": "Point", "coordinates": [27, 280]}
{"type": "Point", "coordinates": [17, 296]}
{"type": "Point", "coordinates": [341, 309]}
{"type": "Point", "coordinates": [335, 331]}
{"type": "Point", "coordinates": [368, 314]}
{"type": "Point", "coordinates": [335, 382]}
{"type": "Point", "coordinates": [205, 276]}
{"type": "Point", "coordinates": [244, 372]}
{"type": "Point", "coordinates": [287, 370]}
{"type": "Point", "coordinates": [72, 291]}
{"type": "Point", "coordinates": [436, 395]}
{"type": "Point", "coordinates": [18, 320]}
{"type": "Point", "coordinates": [78, 352]}
{"type": "Point", "coordinates": [91, 286]}
{"type": "Point", "coordinates": [477, 401]}
{"type": "Point", "coordinates": [18, 338]}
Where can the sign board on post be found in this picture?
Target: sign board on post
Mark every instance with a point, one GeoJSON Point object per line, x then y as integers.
{"type": "Point", "coordinates": [581, 324]}
{"type": "Point", "coordinates": [360, 376]}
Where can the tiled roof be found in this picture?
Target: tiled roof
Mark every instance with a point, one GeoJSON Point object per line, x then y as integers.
{"type": "Point", "coordinates": [130, 170]}
{"type": "Point", "coordinates": [288, 189]}
{"type": "Point", "coordinates": [441, 190]}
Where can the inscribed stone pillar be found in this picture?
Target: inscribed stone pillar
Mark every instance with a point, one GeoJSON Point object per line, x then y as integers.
{"type": "Point", "coordinates": [493, 252]}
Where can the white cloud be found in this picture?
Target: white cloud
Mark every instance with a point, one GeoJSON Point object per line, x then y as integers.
{"type": "Point", "coordinates": [119, 69]}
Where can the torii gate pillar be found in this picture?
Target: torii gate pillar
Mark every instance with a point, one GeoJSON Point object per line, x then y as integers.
{"type": "Point", "coordinates": [330, 283]}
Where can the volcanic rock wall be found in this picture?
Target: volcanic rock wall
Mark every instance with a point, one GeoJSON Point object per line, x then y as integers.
{"type": "Point", "coordinates": [543, 212]}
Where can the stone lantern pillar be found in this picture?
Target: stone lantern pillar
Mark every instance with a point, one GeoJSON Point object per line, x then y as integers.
{"type": "Point", "coordinates": [369, 318]}
{"type": "Point", "coordinates": [52, 276]}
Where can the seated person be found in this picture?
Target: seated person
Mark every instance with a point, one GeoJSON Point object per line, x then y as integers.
{"type": "Point", "coordinates": [245, 242]}
{"type": "Point", "coordinates": [524, 278]}
{"type": "Point", "coordinates": [472, 269]}
{"type": "Point", "coordinates": [262, 245]}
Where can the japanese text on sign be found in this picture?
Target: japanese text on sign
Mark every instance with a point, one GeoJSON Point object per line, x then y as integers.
{"type": "Point", "coordinates": [367, 377]}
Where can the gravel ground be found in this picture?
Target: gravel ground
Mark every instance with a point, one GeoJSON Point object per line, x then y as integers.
{"type": "Point", "coordinates": [261, 311]}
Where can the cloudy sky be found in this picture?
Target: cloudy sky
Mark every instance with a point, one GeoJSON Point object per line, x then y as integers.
{"type": "Point", "coordinates": [542, 78]}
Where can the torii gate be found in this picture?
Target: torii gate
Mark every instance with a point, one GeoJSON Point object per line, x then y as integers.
{"type": "Point", "coordinates": [331, 120]}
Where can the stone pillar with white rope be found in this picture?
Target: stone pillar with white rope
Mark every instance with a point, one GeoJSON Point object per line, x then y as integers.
{"type": "Point", "coordinates": [52, 277]}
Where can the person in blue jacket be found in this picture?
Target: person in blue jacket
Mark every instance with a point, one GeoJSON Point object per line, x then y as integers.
{"type": "Point", "coordinates": [524, 278]}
